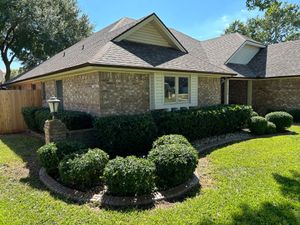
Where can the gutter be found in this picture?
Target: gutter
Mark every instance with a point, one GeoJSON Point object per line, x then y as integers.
{"type": "Point", "coordinates": [116, 66]}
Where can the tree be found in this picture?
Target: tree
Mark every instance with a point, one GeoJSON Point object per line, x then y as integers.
{"type": "Point", "coordinates": [280, 22]}
{"type": "Point", "coordinates": [261, 4]}
{"type": "Point", "coordinates": [34, 30]}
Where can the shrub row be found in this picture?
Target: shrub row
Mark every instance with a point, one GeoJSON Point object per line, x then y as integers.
{"type": "Point", "coordinates": [35, 118]}
{"type": "Point", "coordinates": [133, 134]}
{"type": "Point", "coordinates": [271, 123]}
{"type": "Point", "coordinates": [171, 162]}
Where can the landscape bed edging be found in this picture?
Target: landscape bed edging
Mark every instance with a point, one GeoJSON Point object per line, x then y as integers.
{"type": "Point", "coordinates": [116, 201]}
{"type": "Point", "coordinates": [179, 191]}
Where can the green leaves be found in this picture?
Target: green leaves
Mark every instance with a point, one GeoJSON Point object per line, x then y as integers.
{"type": "Point", "coordinates": [129, 176]}
{"type": "Point", "coordinates": [83, 171]}
{"type": "Point", "coordinates": [175, 163]}
{"type": "Point", "coordinates": [33, 30]}
{"type": "Point", "coordinates": [280, 22]}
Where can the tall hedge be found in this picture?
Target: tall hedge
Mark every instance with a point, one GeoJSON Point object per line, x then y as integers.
{"type": "Point", "coordinates": [124, 135]}
{"type": "Point", "coordinates": [133, 134]}
{"type": "Point", "coordinates": [203, 122]}
{"type": "Point", "coordinates": [35, 118]}
{"type": "Point", "coordinates": [28, 114]}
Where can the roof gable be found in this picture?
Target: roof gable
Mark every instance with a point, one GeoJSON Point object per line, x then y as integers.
{"type": "Point", "coordinates": [151, 31]}
{"type": "Point", "coordinates": [245, 53]}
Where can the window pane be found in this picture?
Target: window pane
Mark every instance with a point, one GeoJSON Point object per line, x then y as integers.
{"type": "Point", "coordinates": [170, 94]}
{"type": "Point", "coordinates": [183, 86]}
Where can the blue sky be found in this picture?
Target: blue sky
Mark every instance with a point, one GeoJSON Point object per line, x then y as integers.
{"type": "Point", "coordinates": [197, 18]}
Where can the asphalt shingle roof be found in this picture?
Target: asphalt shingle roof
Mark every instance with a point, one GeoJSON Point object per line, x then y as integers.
{"type": "Point", "coordinates": [203, 56]}
{"type": "Point", "coordinates": [100, 49]}
{"type": "Point", "coordinates": [276, 60]}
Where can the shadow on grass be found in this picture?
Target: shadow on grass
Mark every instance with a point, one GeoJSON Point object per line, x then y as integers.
{"type": "Point", "coordinates": [290, 186]}
{"type": "Point", "coordinates": [25, 146]}
{"type": "Point", "coordinates": [252, 137]}
{"type": "Point", "coordinates": [267, 213]}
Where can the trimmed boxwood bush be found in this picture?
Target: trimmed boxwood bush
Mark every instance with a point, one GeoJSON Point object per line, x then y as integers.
{"type": "Point", "coordinates": [35, 118]}
{"type": "Point", "coordinates": [48, 158]}
{"type": "Point", "coordinates": [271, 128]}
{"type": "Point", "coordinates": [202, 122]}
{"type": "Point", "coordinates": [130, 176]}
{"type": "Point", "coordinates": [282, 120]}
{"type": "Point", "coordinates": [126, 135]}
{"type": "Point", "coordinates": [75, 120]}
{"type": "Point", "coordinates": [174, 163]}
{"type": "Point", "coordinates": [258, 125]}
{"type": "Point", "coordinates": [171, 139]}
{"type": "Point", "coordinates": [40, 117]}
{"type": "Point", "coordinates": [295, 113]}
{"type": "Point", "coordinates": [28, 115]}
{"type": "Point", "coordinates": [67, 147]}
{"type": "Point", "coordinates": [134, 134]}
{"type": "Point", "coordinates": [51, 154]}
{"type": "Point", "coordinates": [254, 114]}
{"type": "Point", "coordinates": [82, 171]}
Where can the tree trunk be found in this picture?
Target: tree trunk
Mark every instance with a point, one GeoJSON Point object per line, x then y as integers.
{"type": "Point", "coordinates": [7, 62]}
{"type": "Point", "coordinates": [8, 72]}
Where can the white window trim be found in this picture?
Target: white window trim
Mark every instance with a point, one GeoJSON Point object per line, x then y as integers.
{"type": "Point", "coordinates": [177, 103]}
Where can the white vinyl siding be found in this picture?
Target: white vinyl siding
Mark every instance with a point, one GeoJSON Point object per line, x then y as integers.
{"type": "Point", "coordinates": [150, 34]}
{"type": "Point", "coordinates": [244, 55]}
{"type": "Point", "coordinates": [157, 99]}
{"type": "Point", "coordinates": [194, 91]}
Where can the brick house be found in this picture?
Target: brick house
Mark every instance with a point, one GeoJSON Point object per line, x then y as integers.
{"type": "Point", "coordinates": [134, 66]}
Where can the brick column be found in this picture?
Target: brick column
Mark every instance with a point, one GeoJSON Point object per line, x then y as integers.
{"type": "Point", "coordinates": [55, 130]}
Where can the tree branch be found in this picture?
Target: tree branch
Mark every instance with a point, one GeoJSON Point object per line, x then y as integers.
{"type": "Point", "coordinates": [12, 58]}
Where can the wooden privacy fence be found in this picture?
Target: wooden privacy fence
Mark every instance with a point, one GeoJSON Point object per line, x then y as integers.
{"type": "Point", "coordinates": [11, 103]}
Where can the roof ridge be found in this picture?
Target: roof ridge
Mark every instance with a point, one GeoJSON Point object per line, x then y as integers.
{"type": "Point", "coordinates": [283, 42]}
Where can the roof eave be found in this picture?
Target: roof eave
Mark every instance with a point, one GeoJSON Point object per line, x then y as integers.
{"type": "Point", "coordinates": [95, 66]}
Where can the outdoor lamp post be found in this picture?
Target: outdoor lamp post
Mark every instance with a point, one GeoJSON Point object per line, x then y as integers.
{"type": "Point", "coordinates": [53, 105]}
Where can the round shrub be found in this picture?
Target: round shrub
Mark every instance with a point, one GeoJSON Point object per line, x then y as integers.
{"type": "Point", "coordinates": [67, 147]}
{"type": "Point", "coordinates": [171, 139]}
{"type": "Point", "coordinates": [51, 154]}
{"type": "Point", "coordinates": [253, 113]}
{"type": "Point", "coordinates": [82, 171]}
{"type": "Point", "coordinates": [271, 128]}
{"type": "Point", "coordinates": [282, 120]}
{"type": "Point", "coordinates": [258, 125]}
{"type": "Point", "coordinates": [174, 163]}
{"type": "Point", "coordinates": [48, 158]}
{"type": "Point", "coordinates": [130, 176]}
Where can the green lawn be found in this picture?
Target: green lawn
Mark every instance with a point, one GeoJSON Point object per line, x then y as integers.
{"type": "Point", "coordinates": [254, 182]}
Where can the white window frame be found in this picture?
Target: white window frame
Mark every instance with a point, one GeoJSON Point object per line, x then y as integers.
{"type": "Point", "coordinates": [184, 103]}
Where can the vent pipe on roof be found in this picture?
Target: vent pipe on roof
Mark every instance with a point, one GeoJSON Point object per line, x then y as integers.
{"type": "Point", "coordinates": [82, 47]}
{"type": "Point", "coordinates": [64, 54]}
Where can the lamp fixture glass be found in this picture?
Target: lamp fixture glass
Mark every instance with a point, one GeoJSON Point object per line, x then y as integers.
{"type": "Point", "coordinates": [53, 103]}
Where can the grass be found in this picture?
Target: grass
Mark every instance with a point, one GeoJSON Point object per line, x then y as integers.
{"type": "Point", "coordinates": [254, 182]}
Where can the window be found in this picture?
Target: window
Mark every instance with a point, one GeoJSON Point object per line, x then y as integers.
{"type": "Point", "coordinates": [33, 86]}
{"type": "Point", "coordinates": [176, 89]}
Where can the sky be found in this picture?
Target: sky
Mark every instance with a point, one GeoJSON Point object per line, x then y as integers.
{"type": "Point", "coordinates": [198, 18]}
